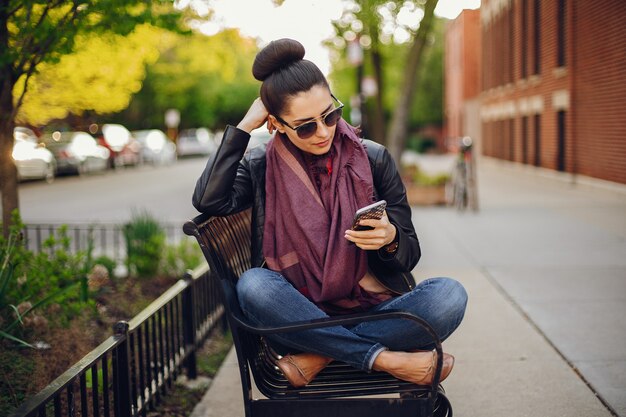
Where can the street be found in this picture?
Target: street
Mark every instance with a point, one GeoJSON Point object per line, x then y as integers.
{"type": "Point", "coordinates": [165, 192]}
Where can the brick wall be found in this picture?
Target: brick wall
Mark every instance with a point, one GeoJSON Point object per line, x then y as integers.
{"type": "Point", "coordinates": [569, 115]}
{"type": "Point", "coordinates": [462, 69]}
{"type": "Point", "coordinates": [599, 85]}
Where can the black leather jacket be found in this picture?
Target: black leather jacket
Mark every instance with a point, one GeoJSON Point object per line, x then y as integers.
{"type": "Point", "coordinates": [234, 179]}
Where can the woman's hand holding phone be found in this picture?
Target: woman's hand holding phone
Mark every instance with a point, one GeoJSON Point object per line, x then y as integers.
{"type": "Point", "coordinates": [380, 233]}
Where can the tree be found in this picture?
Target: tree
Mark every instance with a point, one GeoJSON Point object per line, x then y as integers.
{"type": "Point", "coordinates": [99, 76]}
{"type": "Point", "coordinates": [206, 78]}
{"type": "Point", "coordinates": [388, 29]}
{"type": "Point", "coordinates": [34, 32]}
{"type": "Point", "coordinates": [397, 132]}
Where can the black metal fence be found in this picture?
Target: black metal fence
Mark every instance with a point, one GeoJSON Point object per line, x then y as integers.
{"type": "Point", "coordinates": [130, 372]}
{"type": "Point", "coordinates": [103, 238]}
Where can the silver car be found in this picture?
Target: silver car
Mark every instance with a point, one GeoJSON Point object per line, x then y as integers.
{"type": "Point", "coordinates": [156, 148]}
{"type": "Point", "coordinates": [195, 142]}
{"type": "Point", "coordinates": [77, 152]}
{"type": "Point", "coordinates": [32, 159]}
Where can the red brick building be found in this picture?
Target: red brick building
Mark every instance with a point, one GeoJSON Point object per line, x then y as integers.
{"type": "Point", "coordinates": [462, 75]}
{"type": "Point", "coordinates": [554, 84]}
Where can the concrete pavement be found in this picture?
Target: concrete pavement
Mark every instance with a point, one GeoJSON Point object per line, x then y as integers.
{"type": "Point", "coordinates": [544, 263]}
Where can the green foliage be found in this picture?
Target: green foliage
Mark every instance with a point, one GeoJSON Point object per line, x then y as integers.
{"type": "Point", "coordinates": [41, 31]}
{"type": "Point", "coordinates": [145, 243]}
{"type": "Point", "coordinates": [421, 144]}
{"type": "Point", "coordinates": [45, 30]}
{"type": "Point", "coordinates": [100, 76]}
{"type": "Point", "coordinates": [427, 106]}
{"type": "Point", "coordinates": [99, 377]}
{"type": "Point", "coordinates": [180, 257]}
{"type": "Point", "coordinates": [214, 353]}
{"type": "Point", "coordinates": [8, 248]}
{"type": "Point", "coordinates": [415, 175]}
{"type": "Point", "coordinates": [38, 32]}
{"type": "Point", "coordinates": [207, 78]}
{"type": "Point", "coordinates": [30, 281]}
{"type": "Point", "coordinates": [428, 103]}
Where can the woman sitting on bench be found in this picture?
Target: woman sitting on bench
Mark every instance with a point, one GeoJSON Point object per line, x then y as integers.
{"type": "Point", "coordinates": [304, 187]}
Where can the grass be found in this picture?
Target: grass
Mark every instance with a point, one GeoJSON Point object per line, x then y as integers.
{"type": "Point", "coordinates": [213, 353]}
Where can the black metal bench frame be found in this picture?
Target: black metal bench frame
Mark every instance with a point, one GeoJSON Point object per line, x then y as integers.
{"type": "Point", "coordinates": [339, 390]}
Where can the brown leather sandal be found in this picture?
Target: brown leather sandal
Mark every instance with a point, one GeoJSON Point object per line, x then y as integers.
{"type": "Point", "coordinates": [300, 369]}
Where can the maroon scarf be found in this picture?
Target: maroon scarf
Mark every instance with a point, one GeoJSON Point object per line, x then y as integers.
{"type": "Point", "coordinates": [304, 225]}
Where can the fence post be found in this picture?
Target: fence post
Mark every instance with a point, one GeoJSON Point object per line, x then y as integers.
{"type": "Point", "coordinates": [189, 326]}
{"type": "Point", "coordinates": [121, 372]}
{"type": "Point", "coordinates": [215, 280]}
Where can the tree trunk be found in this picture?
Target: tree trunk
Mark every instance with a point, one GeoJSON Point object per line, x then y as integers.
{"type": "Point", "coordinates": [378, 119]}
{"type": "Point", "coordinates": [396, 135]}
{"type": "Point", "coordinates": [8, 171]}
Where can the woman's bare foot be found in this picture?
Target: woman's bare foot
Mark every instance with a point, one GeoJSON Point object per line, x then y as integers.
{"type": "Point", "coordinates": [416, 367]}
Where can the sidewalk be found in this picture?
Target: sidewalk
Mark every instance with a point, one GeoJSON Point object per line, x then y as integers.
{"type": "Point", "coordinates": [545, 268]}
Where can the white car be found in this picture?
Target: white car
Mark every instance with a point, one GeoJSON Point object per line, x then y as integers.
{"type": "Point", "coordinates": [195, 142]}
{"type": "Point", "coordinates": [32, 159]}
{"type": "Point", "coordinates": [156, 147]}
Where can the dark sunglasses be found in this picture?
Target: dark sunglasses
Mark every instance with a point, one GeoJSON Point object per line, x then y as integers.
{"type": "Point", "coordinates": [308, 129]}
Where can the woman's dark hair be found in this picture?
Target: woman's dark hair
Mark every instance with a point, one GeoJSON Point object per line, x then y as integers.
{"type": "Point", "coordinates": [284, 73]}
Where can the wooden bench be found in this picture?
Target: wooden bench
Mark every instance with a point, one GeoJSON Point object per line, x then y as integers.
{"type": "Point", "coordinates": [339, 390]}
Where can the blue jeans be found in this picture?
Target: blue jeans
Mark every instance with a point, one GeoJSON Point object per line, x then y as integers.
{"type": "Point", "coordinates": [268, 299]}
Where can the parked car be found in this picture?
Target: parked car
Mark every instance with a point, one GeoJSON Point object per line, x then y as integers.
{"type": "Point", "coordinates": [77, 152]}
{"type": "Point", "coordinates": [156, 147]}
{"type": "Point", "coordinates": [32, 159]}
{"type": "Point", "coordinates": [123, 148]}
{"type": "Point", "coordinates": [195, 142]}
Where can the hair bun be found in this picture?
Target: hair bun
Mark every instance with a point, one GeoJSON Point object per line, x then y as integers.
{"type": "Point", "coordinates": [278, 54]}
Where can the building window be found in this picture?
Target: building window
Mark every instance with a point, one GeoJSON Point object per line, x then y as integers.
{"type": "Point", "coordinates": [537, 120]}
{"type": "Point", "coordinates": [561, 33]}
{"type": "Point", "coordinates": [537, 36]}
{"type": "Point", "coordinates": [560, 123]}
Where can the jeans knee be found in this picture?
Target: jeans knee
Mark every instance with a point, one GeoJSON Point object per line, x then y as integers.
{"type": "Point", "coordinates": [456, 300]}
{"type": "Point", "coordinates": [446, 305]}
{"type": "Point", "coordinates": [253, 288]}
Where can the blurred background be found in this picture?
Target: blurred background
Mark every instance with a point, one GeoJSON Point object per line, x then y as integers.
{"type": "Point", "coordinates": [523, 79]}
{"type": "Point", "coordinates": [110, 110]}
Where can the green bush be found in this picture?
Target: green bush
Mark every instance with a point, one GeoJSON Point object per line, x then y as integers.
{"type": "Point", "coordinates": [145, 244]}
{"type": "Point", "coordinates": [416, 176]}
{"type": "Point", "coordinates": [30, 281]}
{"type": "Point", "coordinates": [180, 257]}
{"type": "Point", "coordinates": [421, 144]}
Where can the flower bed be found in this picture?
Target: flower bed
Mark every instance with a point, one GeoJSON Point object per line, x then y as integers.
{"type": "Point", "coordinates": [423, 189]}
{"type": "Point", "coordinates": [56, 305]}
{"type": "Point", "coordinates": [425, 195]}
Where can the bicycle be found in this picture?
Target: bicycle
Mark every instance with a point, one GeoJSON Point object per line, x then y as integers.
{"type": "Point", "coordinates": [464, 191]}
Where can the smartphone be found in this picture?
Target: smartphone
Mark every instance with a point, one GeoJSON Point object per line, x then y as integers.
{"type": "Point", "coordinates": [373, 211]}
